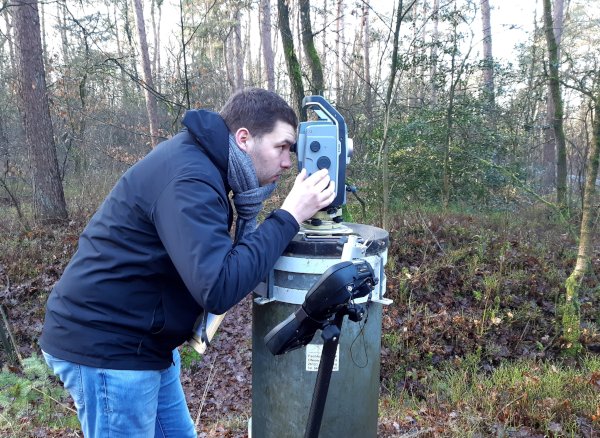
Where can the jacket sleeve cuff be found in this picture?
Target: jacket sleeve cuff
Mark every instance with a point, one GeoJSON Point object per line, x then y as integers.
{"type": "Point", "coordinates": [285, 218]}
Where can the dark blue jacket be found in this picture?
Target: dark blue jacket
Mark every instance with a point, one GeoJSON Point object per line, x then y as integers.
{"type": "Point", "coordinates": [156, 253]}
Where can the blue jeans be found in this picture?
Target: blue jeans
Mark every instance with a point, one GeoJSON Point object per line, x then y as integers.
{"type": "Point", "coordinates": [127, 403]}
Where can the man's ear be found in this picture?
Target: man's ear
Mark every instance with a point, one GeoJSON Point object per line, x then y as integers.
{"type": "Point", "coordinates": [242, 136]}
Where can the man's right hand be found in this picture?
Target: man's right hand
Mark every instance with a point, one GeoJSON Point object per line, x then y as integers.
{"type": "Point", "coordinates": [309, 195]}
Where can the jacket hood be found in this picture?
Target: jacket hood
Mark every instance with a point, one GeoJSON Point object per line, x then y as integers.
{"type": "Point", "coordinates": [210, 130]}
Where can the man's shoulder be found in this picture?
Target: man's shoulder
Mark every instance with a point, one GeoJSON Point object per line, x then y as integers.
{"type": "Point", "coordinates": [170, 163]}
{"type": "Point", "coordinates": [179, 155]}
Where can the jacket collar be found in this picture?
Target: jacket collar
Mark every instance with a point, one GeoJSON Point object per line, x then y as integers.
{"type": "Point", "coordinates": [212, 134]}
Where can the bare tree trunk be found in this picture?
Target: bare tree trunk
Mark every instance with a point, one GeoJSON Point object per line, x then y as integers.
{"type": "Point", "coordinates": [385, 221]}
{"type": "Point", "coordinates": [255, 70]}
{"type": "Point", "coordinates": [324, 39]}
{"type": "Point", "coordinates": [9, 37]}
{"type": "Point", "coordinates": [229, 58]}
{"type": "Point", "coordinates": [339, 42]}
{"type": "Point", "coordinates": [239, 50]}
{"type": "Point", "coordinates": [558, 18]}
{"type": "Point", "coordinates": [367, 61]}
{"type": "Point", "coordinates": [549, 147]}
{"type": "Point", "coordinates": [531, 101]}
{"type": "Point", "coordinates": [48, 197]}
{"type": "Point", "coordinates": [158, 71]}
{"type": "Point", "coordinates": [557, 116]}
{"type": "Point", "coordinates": [456, 73]}
{"type": "Point", "coordinates": [353, 78]}
{"type": "Point", "coordinates": [312, 56]}
{"type": "Point", "coordinates": [297, 31]}
{"type": "Point", "coordinates": [435, 38]}
{"type": "Point", "coordinates": [117, 32]}
{"type": "Point", "coordinates": [122, 78]}
{"type": "Point", "coordinates": [420, 92]}
{"type": "Point", "coordinates": [62, 29]}
{"type": "Point", "coordinates": [267, 46]}
{"type": "Point", "coordinates": [413, 83]}
{"type": "Point", "coordinates": [449, 123]}
{"type": "Point", "coordinates": [151, 106]}
{"type": "Point", "coordinates": [43, 32]}
{"type": "Point", "coordinates": [570, 312]}
{"type": "Point", "coordinates": [291, 61]}
{"type": "Point", "coordinates": [448, 141]}
{"type": "Point", "coordinates": [186, 82]}
{"type": "Point", "coordinates": [488, 59]}
{"type": "Point", "coordinates": [129, 35]}
{"type": "Point", "coordinates": [8, 340]}
{"type": "Point", "coordinates": [4, 150]}
{"type": "Point", "coordinates": [156, 38]}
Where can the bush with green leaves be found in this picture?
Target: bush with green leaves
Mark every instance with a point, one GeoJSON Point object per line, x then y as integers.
{"type": "Point", "coordinates": [483, 170]}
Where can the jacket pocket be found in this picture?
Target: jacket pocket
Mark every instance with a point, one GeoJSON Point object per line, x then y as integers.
{"type": "Point", "coordinates": [158, 319]}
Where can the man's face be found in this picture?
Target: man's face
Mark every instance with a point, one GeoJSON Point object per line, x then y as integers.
{"type": "Point", "coordinates": [270, 153]}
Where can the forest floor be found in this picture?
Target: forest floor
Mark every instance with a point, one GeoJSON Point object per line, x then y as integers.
{"type": "Point", "coordinates": [471, 345]}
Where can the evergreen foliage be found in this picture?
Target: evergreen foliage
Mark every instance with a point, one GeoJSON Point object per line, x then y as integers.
{"type": "Point", "coordinates": [32, 395]}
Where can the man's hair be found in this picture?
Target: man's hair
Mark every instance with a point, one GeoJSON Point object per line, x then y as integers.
{"type": "Point", "coordinates": [257, 110]}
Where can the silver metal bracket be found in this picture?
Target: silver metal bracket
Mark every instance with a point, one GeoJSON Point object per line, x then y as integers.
{"type": "Point", "coordinates": [293, 274]}
{"type": "Point", "coordinates": [384, 301]}
{"type": "Point", "coordinates": [262, 300]}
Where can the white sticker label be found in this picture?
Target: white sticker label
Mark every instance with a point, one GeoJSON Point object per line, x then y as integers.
{"type": "Point", "coordinates": [313, 357]}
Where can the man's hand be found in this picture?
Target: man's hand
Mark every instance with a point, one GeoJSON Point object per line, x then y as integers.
{"type": "Point", "coordinates": [309, 195]}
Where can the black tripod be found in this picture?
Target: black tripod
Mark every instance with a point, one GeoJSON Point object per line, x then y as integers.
{"type": "Point", "coordinates": [331, 338]}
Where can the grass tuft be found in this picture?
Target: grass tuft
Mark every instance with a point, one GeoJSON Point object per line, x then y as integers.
{"type": "Point", "coordinates": [552, 399]}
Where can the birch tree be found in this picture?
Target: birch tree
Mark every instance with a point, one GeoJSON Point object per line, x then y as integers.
{"type": "Point", "coordinates": [570, 313]}
{"type": "Point", "coordinates": [582, 74]}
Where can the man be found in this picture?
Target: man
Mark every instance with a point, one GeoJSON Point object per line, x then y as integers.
{"type": "Point", "coordinates": [158, 253]}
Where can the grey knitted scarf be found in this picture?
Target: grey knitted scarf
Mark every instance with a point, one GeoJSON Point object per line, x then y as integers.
{"type": "Point", "coordinates": [248, 196]}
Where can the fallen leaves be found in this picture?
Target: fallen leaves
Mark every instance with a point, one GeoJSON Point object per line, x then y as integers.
{"type": "Point", "coordinates": [595, 380]}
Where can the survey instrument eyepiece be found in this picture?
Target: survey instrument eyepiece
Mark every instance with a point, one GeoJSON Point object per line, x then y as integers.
{"type": "Point", "coordinates": [333, 293]}
{"type": "Point", "coordinates": [323, 143]}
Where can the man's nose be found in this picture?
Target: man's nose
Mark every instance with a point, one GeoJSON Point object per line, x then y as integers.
{"type": "Point", "coordinates": [286, 162]}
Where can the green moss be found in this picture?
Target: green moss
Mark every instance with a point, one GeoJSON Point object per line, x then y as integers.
{"type": "Point", "coordinates": [571, 319]}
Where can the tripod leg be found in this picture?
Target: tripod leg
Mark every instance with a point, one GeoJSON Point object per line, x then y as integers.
{"type": "Point", "coordinates": [317, 406]}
